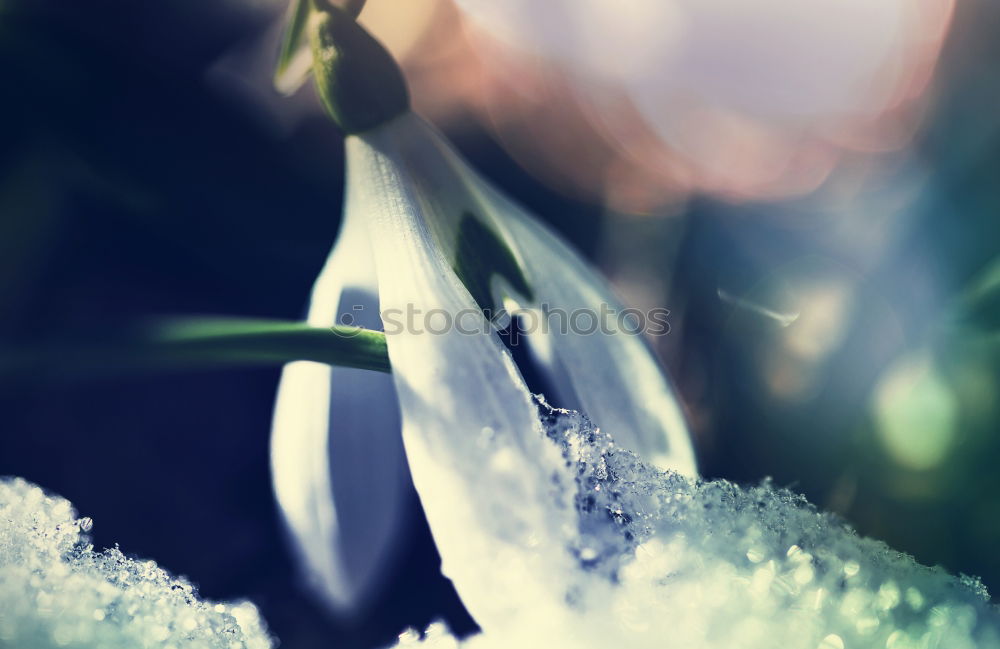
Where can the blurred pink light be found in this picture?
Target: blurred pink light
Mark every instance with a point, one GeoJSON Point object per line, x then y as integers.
{"type": "Point", "coordinates": [640, 105]}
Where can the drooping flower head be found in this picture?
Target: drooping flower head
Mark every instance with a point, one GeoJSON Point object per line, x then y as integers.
{"type": "Point", "coordinates": [424, 234]}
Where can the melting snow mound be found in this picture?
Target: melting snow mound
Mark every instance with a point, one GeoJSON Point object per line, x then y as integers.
{"type": "Point", "coordinates": [56, 592]}
{"type": "Point", "coordinates": [712, 565]}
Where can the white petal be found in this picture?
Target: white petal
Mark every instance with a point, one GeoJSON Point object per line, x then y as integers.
{"type": "Point", "coordinates": [338, 463]}
{"type": "Point", "coordinates": [491, 485]}
{"type": "Point", "coordinates": [613, 375]}
{"type": "Point", "coordinates": [614, 378]}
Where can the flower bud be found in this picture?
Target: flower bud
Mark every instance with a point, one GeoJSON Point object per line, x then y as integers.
{"type": "Point", "coordinates": [359, 82]}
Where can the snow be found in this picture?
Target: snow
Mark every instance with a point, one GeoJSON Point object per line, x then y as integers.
{"type": "Point", "coordinates": [56, 591]}
{"type": "Point", "coordinates": [676, 562]}
{"type": "Point", "coordinates": [659, 560]}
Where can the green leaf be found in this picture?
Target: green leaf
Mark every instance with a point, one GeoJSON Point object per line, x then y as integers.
{"type": "Point", "coordinates": [194, 343]}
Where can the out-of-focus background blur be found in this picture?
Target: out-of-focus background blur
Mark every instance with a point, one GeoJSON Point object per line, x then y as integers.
{"type": "Point", "coordinates": [813, 194]}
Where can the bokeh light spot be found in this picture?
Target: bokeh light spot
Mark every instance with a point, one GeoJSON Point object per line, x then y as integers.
{"type": "Point", "coordinates": [915, 413]}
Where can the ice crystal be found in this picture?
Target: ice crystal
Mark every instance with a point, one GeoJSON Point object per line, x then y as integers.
{"type": "Point", "coordinates": [712, 565]}
{"type": "Point", "coordinates": [56, 591]}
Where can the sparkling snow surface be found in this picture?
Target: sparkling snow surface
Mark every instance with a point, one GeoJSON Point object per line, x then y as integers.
{"type": "Point", "coordinates": [710, 565]}
{"type": "Point", "coordinates": [55, 591]}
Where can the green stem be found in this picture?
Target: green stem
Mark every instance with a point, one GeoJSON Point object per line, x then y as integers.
{"type": "Point", "coordinates": [293, 45]}
{"type": "Point", "coordinates": [193, 343]}
{"type": "Point", "coordinates": [294, 56]}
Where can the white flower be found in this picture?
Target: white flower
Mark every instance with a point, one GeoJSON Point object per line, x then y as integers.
{"type": "Point", "coordinates": [437, 234]}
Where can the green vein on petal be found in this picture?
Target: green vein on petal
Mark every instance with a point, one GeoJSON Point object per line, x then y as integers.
{"type": "Point", "coordinates": [480, 255]}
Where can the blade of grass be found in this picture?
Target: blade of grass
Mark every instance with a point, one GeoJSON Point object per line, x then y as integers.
{"type": "Point", "coordinates": [201, 343]}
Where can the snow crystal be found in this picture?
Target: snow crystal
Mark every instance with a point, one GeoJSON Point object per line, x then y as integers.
{"type": "Point", "coordinates": [56, 591]}
{"type": "Point", "coordinates": [711, 565]}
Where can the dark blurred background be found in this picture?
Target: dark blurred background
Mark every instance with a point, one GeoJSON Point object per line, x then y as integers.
{"type": "Point", "coordinates": [846, 347]}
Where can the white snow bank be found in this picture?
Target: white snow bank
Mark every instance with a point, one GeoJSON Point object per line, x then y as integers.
{"type": "Point", "coordinates": [678, 563]}
{"type": "Point", "coordinates": [56, 592]}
